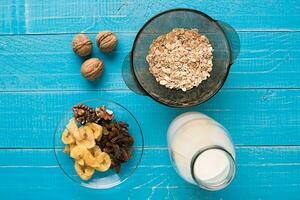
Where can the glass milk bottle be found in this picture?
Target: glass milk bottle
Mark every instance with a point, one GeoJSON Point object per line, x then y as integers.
{"type": "Point", "coordinates": [201, 151]}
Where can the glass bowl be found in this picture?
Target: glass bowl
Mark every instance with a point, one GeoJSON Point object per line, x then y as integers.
{"type": "Point", "coordinates": [108, 179]}
{"type": "Point", "coordinates": [138, 68]}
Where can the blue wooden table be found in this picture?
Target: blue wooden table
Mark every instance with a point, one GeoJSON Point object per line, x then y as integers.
{"type": "Point", "coordinates": [40, 78]}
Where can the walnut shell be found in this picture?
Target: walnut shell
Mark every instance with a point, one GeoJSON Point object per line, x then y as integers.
{"type": "Point", "coordinates": [106, 41]}
{"type": "Point", "coordinates": [82, 45]}
{"type": "Point", "coordinates": [92, 68]}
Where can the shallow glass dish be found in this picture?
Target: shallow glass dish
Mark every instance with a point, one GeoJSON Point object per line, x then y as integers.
{"type": "Point", "coordinates": [108, 179]}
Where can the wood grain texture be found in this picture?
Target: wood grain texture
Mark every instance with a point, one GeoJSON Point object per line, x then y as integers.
{"type": "Point", "coordinates": [64, 16]}
{"type": "Point", "coordinates": [253, 117]}
{"type": "Point", "coordinates": [263, 173]}
{"type": "Point", "coordinates": [47, 62]}
{"type": "Point", "coordinates": [40, 78]}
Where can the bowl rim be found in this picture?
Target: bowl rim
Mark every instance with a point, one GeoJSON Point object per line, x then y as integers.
{"type": "Point", "coordinates": [175, 10]}
{"type": "Point", "coordinates": [139, 147]}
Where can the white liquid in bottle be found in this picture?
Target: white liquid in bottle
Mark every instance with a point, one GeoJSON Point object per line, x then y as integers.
{"type": "Point", "coordinates": [201, 150]}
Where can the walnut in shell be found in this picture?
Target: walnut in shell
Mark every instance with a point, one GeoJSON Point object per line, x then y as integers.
{"type": "Point", "coordinates": [106, 41]}
{"type": "Point", "coordinates": [82, 45]}
{"type": "Point", "coordinates": [92, 68]}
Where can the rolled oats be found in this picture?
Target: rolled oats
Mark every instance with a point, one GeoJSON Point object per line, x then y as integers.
{"type": "Point", "coordinates": [181, 59]}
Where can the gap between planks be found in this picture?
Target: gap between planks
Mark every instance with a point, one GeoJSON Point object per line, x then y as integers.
{"type": "Point", "coordinates": [166, 148]}
{"type": "Point", "coordinates": [135, 32]}
{"type": "Point", "coordinates": [128, 90]}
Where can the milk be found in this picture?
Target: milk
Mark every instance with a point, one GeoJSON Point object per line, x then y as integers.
{"type": "Point", "coordinates": [201, 150]}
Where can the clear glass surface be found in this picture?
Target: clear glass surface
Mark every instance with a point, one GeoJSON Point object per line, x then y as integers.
{"type": "Point", "coordinates": [164, 23]}
{"type": "Point", "coordinates": [201, 151]}
{"type": "Point", "coordinates": [108, 179]}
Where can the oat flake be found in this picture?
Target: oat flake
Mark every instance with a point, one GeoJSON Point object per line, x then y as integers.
{"type": "Point", "coordinates": [181, 59]}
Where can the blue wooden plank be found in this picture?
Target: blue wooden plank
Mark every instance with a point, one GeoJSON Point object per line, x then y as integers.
{"type": "Point", "coordinates": [61, 16]}
{"type": "Point", "coordinates": [262, 173]}
{"type": "Point", "coordinates": [253, 117]}
{"type": "Point", "coordinates": [46, 62]}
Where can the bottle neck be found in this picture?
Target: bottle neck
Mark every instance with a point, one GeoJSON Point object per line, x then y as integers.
{"type": "Point", "coordinates": [213, 168]}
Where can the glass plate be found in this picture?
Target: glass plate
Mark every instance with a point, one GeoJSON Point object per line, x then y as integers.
{"type": "Point", "coordinates": [108, 179]}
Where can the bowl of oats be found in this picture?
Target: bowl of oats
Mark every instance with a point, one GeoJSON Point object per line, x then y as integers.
{"type": "Point", "coordinates": [181, 57]}
{"type": "Point", "coordinates": [98, 144]}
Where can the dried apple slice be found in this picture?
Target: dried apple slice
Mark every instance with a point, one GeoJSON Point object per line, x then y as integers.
{"type": "Point", "coordinates": [97, 130]}
{"type": "Point", "coordinates": [88, 137]}
{"type": "Point", "coordinates": [90, 160]}
{"type": "Point", "coordinates": [84, 172]}
{"type": "Point", "coordinates": [104, 162]}
{"type": "Point", "coordinates": [78, 152]}
{"type": "Point", "coordinates": [67, 138]}
{"type": "Point", "coordinates": [73, 129]}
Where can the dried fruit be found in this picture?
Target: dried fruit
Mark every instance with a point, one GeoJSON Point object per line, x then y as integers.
{"type": "Point", "coordinates": [97, 130]}
{"type": "Point", "coordinates": [67, 149]}
{"type": "Point", "coordinates": [78, 152]}
{"type": "Point", "coordinates": [106, 41]}
{"type": "Point", "coordinates": [88, 140]}
{"type": "Point", "coordinates": [86, 154]}
{"type": "Point", "coordinates": [90, 160]}
{"type": "Point", "coordinates": [104, 162]}
{"type": "Point", "coordinates": [81, 162]}
{"type": "Point", "coordinates": [96, 151]}
{"type": "Point", "coordinates": [117, 143]}
{"type": "Point", "coordinates": [67, 137]}
{"type": "Point", "coordinates": [92, 68]}
{"type": "Point", "coordinates": [73, 129]}
{"type": "Point", "coordinates": [115, 140]}
{"type": "Point", "coordinates": [100, 143]}
{"type": "Point", "coordinates": [82, 45]}
{"type": "Point", "coordinates": [85, 172]}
